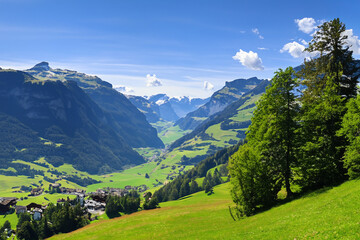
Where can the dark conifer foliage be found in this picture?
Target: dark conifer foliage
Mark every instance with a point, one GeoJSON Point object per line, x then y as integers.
{"type": "Point", "coordinates": [186, 184]}
{"type": "Point", "coordinates": [301, 138]}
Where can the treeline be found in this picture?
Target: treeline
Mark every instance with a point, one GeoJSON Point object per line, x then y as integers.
{"type": "Point", "coordinates": [221, 116]}
{"type": "Point", "coordinates": [186, 184]}
{"type": "Point", "coordinates": [81, 181]}
{"type": "Point", "coordinates": [59, 218]}
{"type": "Point", "coordinates": [127, 204]}
{"type": "Point", "coordinates": [306, 138]}
{"type": "Point", "coordinates": [5, 230]}
{"type": "Point", "coordinates": [21, 169]}
{"type": "Point", "coordinates": [229, 124]}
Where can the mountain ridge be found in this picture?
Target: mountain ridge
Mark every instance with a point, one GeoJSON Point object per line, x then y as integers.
{"type": "Point", "coordinates": [162, 107]}
{"type": "Point", "coordinates": [75, 128]}
{"type": "Point", "coordinates": [231, 92]}
{"type": "Point", "coordinates": [127, 118]}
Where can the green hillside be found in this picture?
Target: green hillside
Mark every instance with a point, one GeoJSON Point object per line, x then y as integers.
{"type": "Point", "coordinates": [221, 130]}
{"type": "Point", "coordinates": [224, 129]}
{"type": "Point", "coordinates": [231, 92]}
{"type": "Point", "coordinates": [58, 121]}
{"type": "Point", "coordinates": [167, 132]}
{"type": "Point", "coordinates": [125, 117]}
{"type": "Point", "coordinates": [330, 213]}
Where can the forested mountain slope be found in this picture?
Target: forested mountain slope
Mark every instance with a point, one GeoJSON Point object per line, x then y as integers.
{"type": "Point", "coordinates": [59, 121]}
{"type": "Point", "coordinates": [231, 92]}
{"type": "Point", "coordinates": [128, 120]}
{"type": "Point", "coordinates": [222, 129]}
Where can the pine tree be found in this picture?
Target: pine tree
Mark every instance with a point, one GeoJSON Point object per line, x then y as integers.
{"type": "Point", "coordinates": [351, 130]}
{"type": "Point", "coordinates": [174, 194]}
{"type": "Point", "coordinates": [335, 60]}
{"type": "Point", "coordinates": [251, 181]}
{"type": "Point", "coordinates": [321, 151]}
{"type": "Point", "coordinates": [208, 187]}
{"type": "Point", "coordinates": [185, 188]}
{"type": "Point", "coordinates": [273, 126]}
{"type": "Point", "coordinates": [330, 83]}
{"type": "Point", "coordinates": [27, 232]}
{"type": "Point", "coordinates": [194, 187]}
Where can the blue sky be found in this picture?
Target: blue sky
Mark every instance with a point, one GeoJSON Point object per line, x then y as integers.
{"type": "Point", "coordinates": [173, 47]}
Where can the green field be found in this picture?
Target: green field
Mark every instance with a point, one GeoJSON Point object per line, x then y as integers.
{"type": "Point", "coordinates": [331, 213]}
{"type": "Point", "coordinates": [158, 172]}
{"type": "Point", "coordinates": [219, 138]}
{"type": "Point", "coordinates": [9, 184]}
{"type": "Point", "coordinates": [167, 132]}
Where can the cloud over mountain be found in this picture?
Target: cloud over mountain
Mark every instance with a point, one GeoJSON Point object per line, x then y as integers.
{"type": "Point", "coordinates": [249, 59]}
{"type": "Point", "coordinates": [123, 89]}
{"type": "Point", "coordinates": [153, 81]}
{"type": "Point", "coordinates": [208, 86]}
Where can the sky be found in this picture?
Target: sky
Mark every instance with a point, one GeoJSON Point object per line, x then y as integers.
{"type": "Point", "coordinates": [181, 48]}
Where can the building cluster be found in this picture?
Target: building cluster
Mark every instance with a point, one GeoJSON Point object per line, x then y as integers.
{"type": "Point", "coordinates": [56, 187]}
{"type": "Point", "coordinates": [36, 191]}
{"type": "Point", "coordinates": [96, 202]}
{"type": "Point", "coordinates": [118, 191]}
{"type": "Point", "coordinates": [8, 204]}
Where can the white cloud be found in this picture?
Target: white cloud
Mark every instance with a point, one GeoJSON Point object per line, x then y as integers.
{"type": "Point", "coordinates": [297, 50]}
{"type": "Point", "coordinates": [249, 59]}
{"type": "Point", "coordinates": [153, 81]}
{"type": "Point", "coordinates": [208, 86]}
{"type": "Point", "coordinates": [256, 31]}
{"type": "Point", "coordinates": [306, 25]}
{"type": "Point", "coordinates": [352, 41]}
{"type": "Point", "coordinates": [123, 89]}
{"type": "Point", "coordinates": [303, 41]}
{"type": "Point", "coordinates": [262, 48]}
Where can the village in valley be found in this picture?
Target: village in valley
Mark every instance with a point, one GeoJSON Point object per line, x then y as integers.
{"type": "Point", "coordinates": [93, 204]}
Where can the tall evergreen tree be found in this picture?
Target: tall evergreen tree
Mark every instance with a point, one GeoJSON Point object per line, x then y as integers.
{"type": "Point", "coordinates": [185, 188]}
{"type": "Point", "coordinates": [330, 83]}
{"type": "Point", "coordinates": [174, 194]}
{"type": "Point", "coordinates": [263, 165]}
{"type": "Point", "coordinates": [351, 130]}
{"type": "Point", "coordinates": [321, 150]}
{"type": "Point", "coordinates": [334, 59]}
{"type": "Point", "coordinates": [251, 181]}
{"type": "Point", "coordinates": [274, 124]}
{"type": "Point", "coordinates": [194, 187]}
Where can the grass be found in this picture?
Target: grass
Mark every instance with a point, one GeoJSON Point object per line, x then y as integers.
{"type": "Point", "coordinates": [159, 171]}
{"type": "Point", "coordinates": [331, 213]}
{"type": "Point", "coordinates": [8, 184]}
{"type": "Point", "coordinates": [41, 199]}
{"type": "Point", "coordinates": [168, 133]}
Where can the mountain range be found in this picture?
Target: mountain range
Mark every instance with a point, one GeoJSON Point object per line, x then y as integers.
{"type": "Point", "coordinates": [231, 92]}
{"type": "Point", "coordinates": [162, 107]}
{"type": "Point", "coordinates": [59, 121]}
{"type": "Point", "coordinates": [222, 129]}
{"type": "Point", "coordinates": [126, 117]}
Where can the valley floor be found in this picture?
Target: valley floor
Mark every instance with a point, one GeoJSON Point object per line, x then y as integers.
{"type": "Point", "coordinates": [331, 213]}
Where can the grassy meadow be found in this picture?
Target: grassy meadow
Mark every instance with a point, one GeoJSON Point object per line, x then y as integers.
{"type": "Point", "coordinates": [330, 213]}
